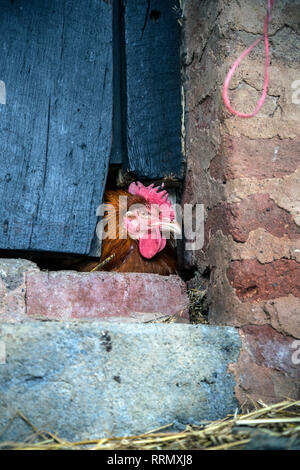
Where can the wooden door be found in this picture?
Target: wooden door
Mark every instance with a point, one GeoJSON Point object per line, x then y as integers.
{"type": "Point", "coordinates": [56, 125]}
{"type": "Point", "coordinates": [149, 102]}
{"type": "Point", "coordinates": [87, 83]}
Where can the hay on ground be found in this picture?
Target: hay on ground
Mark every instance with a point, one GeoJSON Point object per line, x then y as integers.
{"type": "Point", "coordinates": [232, 432]}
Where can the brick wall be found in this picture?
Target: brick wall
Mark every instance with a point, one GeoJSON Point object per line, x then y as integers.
{"type": "Point", "coordinates": [247, 174]}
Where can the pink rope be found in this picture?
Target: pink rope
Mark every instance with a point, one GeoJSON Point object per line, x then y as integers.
{"type": "Point", "coordinates": [239, 60]}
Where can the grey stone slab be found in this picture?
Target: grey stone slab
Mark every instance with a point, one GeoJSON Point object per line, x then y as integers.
{"type": "Point", "coordinates": [89, 379]}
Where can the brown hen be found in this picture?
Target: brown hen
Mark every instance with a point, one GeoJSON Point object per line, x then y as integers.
{"type": "Point", "coordinates": [137, 242]}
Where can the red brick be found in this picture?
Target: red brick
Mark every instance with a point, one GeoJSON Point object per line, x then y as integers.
{"type": "Point", "coordinates": [255, 383]}
{"type": "Point", "coordinates": [271, 349]}
{"type": "Point", "coordinates": [254, 281]}
{"type": "Point", "coordinates": [260, 158]}
{"type": "Point", "coordinates": [265, 369]}
{"type": "Point", "coordinates": [256, 211]}
{"type": "Point", "coordinates": [108, 296]}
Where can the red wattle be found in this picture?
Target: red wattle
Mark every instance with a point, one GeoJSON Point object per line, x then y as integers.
{"type": "Point", "coordinates": [150, 246]}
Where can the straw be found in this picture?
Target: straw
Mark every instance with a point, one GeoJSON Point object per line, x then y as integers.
{"type": "Point", "coordinates": [232, 433]}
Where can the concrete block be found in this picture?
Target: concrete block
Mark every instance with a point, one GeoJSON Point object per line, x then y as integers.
{"type": "Point", "coordinates": [89, 379]}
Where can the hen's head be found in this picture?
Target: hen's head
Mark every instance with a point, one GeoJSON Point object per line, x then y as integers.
{"type": "Point", "coordinates": [150, 223]}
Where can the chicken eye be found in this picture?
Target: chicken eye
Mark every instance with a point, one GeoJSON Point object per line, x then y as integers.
{"type": "Point", "coordinates": [130, 215]}
{"type": "Point", "coordinates": [143, 213]}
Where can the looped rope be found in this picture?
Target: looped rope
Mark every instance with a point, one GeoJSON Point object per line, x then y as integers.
{"type": "Point", "coordinates": [239, 60]}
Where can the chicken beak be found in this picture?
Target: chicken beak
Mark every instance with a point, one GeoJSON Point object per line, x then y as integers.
{"type": "Point", "coordinates": [173, 227]}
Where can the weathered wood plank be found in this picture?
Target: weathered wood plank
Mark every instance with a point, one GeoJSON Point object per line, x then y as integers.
{"type": "Point", "coordinates": [153, 99]}
{"type": "Point", "coordinates": [55, 129]}
{"type": "Point", "coordinates": [119, 112]}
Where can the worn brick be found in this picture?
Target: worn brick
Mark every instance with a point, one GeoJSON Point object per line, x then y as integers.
{"type": "Point", "coordinates": [256, 211]}
{"type": "Point", "coordinates": [266, 247]}
{"type": "Point", "coordinates": [260, 158]}
{"type": "Point", "coordinates": [271, 349]}
{"type": "Point", "coordinates": [226, 308]}
{"type": "Point", "coordinates": [284, 314]}
{"type": "Point", "coordinates": [285, 191]}
{"type": "Point", "coordinates": [265, 370]}
{"type": "Point", "coordinates": [254, 281]}
{"type": "Point", "coordinates": [108, 296]}
{"type": "Point", "coordinates": [260, 383]}
{"type": "Point", "coordinates": [260, 211]}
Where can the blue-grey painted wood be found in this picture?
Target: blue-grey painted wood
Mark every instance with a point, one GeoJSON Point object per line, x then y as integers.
{"type": "Point", "coordinates": [55, 129]}
{"type": "Point", "coordinates": [153, 97]}
{"type": "Point", "coordinates": [119, 114]}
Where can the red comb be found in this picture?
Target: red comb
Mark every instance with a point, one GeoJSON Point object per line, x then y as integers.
{"type": "Point", "coordinates": [154, 196]}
